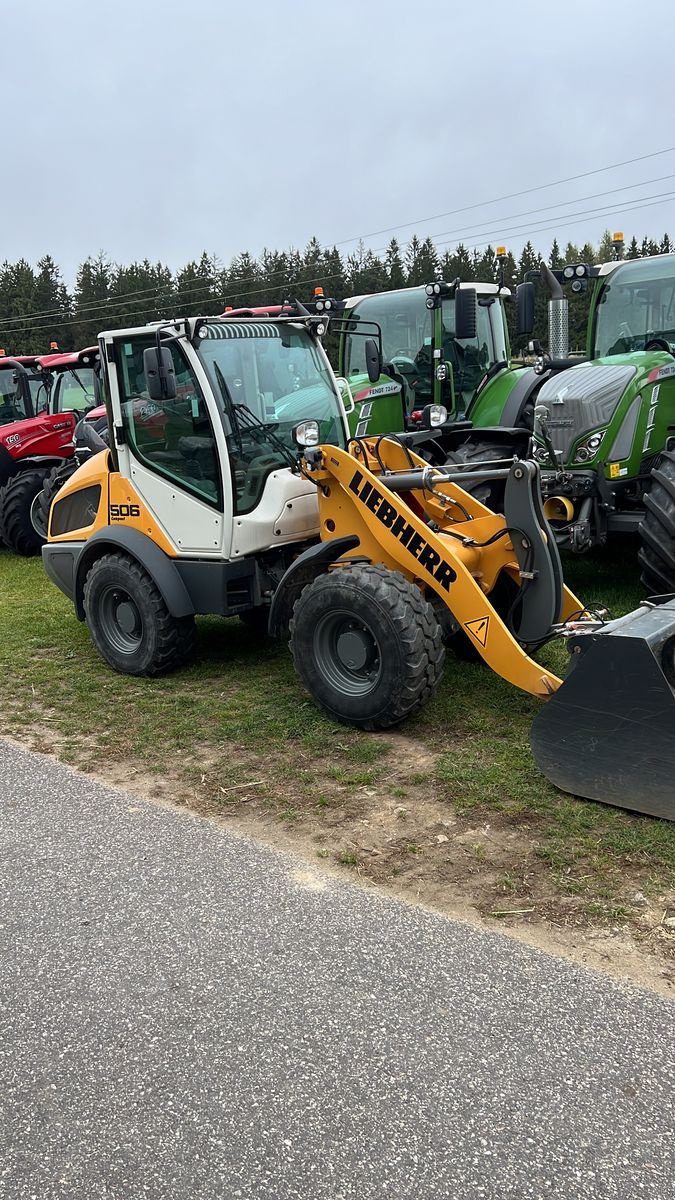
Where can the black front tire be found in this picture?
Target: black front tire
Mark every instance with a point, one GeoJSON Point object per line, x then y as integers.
{"type": "Point", "coordinates": [656, 555]}
{"type": "Point", "coordinates": [16, 527]}
{"type": "Point", "coordinates": [367, 645]}
{"type": "Point", "coordinates": [130, 625]}
{"type": "Point", "coordinates": [467, 456]}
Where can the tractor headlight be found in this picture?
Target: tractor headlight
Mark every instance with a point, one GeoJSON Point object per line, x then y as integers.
{"type": "Point", "coordinates": [306, 434]}
{"type": "Point", "coordinates": [589, 447]}
{"type": "Point", "coordinates": [438, 415]}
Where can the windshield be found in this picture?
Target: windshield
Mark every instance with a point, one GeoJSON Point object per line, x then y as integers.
{"type": "Point", "coordinates": [407, 329]}
{"type": "Point", "coordinates": [277, 373]}
{"type": "Point", "coordinates": [637, 304]}
{"type": "Point", "coordinates": [74, 390]}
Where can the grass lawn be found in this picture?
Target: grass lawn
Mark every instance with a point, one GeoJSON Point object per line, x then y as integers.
{"type": "Point", "coordinates": [449, 808]}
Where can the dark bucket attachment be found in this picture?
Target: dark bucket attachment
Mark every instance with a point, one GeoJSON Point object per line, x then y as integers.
{"type": "Point", "coordinates": [608, 733]}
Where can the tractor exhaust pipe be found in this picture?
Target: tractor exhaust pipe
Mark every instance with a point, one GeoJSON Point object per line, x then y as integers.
{"type": "Point", "coordinates": [558, 315]}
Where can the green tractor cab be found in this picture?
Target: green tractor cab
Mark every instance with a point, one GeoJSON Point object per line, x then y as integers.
{"type": "Point", "coordinates": [442, 344]}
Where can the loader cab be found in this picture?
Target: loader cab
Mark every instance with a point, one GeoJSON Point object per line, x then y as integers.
{"type": "Point", "coordinates": [213, 458]}
{"type": "Point", "coordinates": [416, 338]}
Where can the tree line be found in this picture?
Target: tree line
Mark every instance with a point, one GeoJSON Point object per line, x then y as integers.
{"type": "Point", "coordinates": [37, 308]}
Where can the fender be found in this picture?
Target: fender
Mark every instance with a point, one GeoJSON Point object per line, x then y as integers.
{"type": "Point", "coordinates": [306, 567]}
{"type": "Point", "coordinates": [159, 566]}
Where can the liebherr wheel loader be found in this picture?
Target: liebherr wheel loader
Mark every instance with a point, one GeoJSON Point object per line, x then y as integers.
{"type": "Point", "coordinates": [224, 492]}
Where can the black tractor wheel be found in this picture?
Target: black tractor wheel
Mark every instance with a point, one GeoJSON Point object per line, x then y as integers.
{"type": "Point", "coordinates": [657, 530]}
{"type": "Point", "coordinates": [129, 623]}
{"type": "Point", "coordinates": [16, 527]}
{"type": "Point", "coordinates": [367, 645]}
{"type": "Point", "coordinates": [467, 456]}
{"type": "Point", "coordinates": [54, 481]}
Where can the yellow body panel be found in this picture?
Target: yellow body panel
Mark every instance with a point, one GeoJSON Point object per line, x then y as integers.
{"type": "Point", "coordinates": [393, 531]}
{"type": "Point", "coordinates": [120, 504]}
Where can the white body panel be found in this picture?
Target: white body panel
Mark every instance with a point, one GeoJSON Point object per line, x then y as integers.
{"type": "Point", "coordinates": [481, 289]}
{"type": "Point", "coordinates": [192, 526]}
{"type": "Point", "coordinates": [288, 512]}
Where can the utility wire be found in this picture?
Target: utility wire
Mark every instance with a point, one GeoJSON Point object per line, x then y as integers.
{"type": "Point", "coordinates": [157, 291]}
{"type": "Point", "coordinates": [511, 196]}
{"type": "Point", "coordinates": [88, 312]}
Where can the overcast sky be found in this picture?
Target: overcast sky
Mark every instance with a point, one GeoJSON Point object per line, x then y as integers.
{"type": "Point", "coordinates": [160, 129]}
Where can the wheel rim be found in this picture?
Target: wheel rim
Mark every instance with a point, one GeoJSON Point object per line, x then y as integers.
{"type": "Point", "coordinates": [119, 620]}
{"type": "Point", "coordinates": [37, 518]}
{"type": "Point", "coordinates": [347, 653]}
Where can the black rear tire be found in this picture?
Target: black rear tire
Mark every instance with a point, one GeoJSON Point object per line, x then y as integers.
{"type": "Point", "coordinates": [16, 527]}
{"type": "Point", "coordinates": [367, 645]}
{"type": "Point", "coordinates": [129, 623]}
{"type": "Point", "coordinates": [656, 555]}
{"type": "Point", "coordinates": [54, 481]}
{"type": "Point", "coordinates": [476, 451]}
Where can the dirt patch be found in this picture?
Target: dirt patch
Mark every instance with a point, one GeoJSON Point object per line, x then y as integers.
{"type": "Point", "coordinates": [395, 826]}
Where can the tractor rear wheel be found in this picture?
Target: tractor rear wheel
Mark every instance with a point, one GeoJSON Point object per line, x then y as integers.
{"type": "Point", "coordinates": [367, 645]}
{"type": "Point", "coordinates": [54, 481]}
{"type": "Point", "coordinates": [468, 456]}
{"type": "Point", "coordinates": [16, 528]}
{"type": "Point", "coordinates": [657, 530]}
{"type": "Point", "coordinates": [129, 623]}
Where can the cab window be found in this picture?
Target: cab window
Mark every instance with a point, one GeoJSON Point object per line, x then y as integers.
{"type": "Point", "coordinates": [173, 437]}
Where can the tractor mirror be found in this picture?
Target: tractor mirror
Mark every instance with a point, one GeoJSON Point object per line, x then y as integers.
{"type": "Point", "coordinates": [524, 309]}
{"type": "Point", "coordinates": [466, 305]}
{"type": "Point", "coordinates": [160, 373]}
{"type": "Point", "coordinates": [373, 360]}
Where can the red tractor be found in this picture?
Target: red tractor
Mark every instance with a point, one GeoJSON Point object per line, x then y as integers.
{"type": "Point", "coordinates": [41, 400]}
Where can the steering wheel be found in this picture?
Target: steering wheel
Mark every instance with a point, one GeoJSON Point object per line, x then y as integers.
{"type": "Point", "coordinates": [659, 343]}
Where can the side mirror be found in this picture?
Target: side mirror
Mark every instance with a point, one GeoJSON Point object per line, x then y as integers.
{"type": "Point", "coordinates": [373, 360]}
{"type": "Point", "coordinates": [524, 309]}
{"type": "Point", "coordinates": [466, 312]}
{"type": "Point", "coordinates": [159, 372]}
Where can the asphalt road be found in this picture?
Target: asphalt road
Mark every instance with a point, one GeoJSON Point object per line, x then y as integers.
{"type": "Point", "coordinates": [182, 1016]}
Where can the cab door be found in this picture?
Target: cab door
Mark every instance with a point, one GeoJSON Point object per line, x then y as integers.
{"type": "Point", "coordinates": [174, 451]}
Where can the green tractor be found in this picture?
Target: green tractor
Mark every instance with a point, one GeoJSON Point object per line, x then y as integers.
{"type": "Point", "coordinates": [602, 428]}
{"type": "Point", "coordinates": [604, 432]}
{"type": "Point", "coordinates": [445, 345]}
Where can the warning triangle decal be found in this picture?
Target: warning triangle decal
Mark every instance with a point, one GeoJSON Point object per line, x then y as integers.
{"type": "Point", "coordinates": [479, 629]}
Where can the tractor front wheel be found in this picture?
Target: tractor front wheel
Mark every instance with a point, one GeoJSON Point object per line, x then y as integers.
{"type": "Point", "coordinates": [16, 527]}
{"type": "Point", "coordinates": [467, 457]}
{"type": "Point", "coordinates": [367, 645]}
{"type": "Point", "coordinates": [657, 530]}
{"type": "Point", "coordinates": [129, 623]}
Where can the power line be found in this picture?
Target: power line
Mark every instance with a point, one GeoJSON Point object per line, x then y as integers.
{"type": "Point", "coordinates": [108, 307]}
{"type": "Point", "coordinates": [511, 196]}
{"type": "Point", "coordinates": [158, 291]}
{"type": "Point", "coordinates": [550, 207]}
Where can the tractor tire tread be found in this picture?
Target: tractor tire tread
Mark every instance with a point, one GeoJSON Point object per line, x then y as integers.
{"type": "Point", "coordinates": [16, 529]}
{"type": "Point", "coordinates": [472, 452]}
{"type": "Point", "coordinates": [175, 636]}
{"type": "Point", "coordinates": [656, 555]}
{"type": "Point", "coordinates": [415, 629]}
